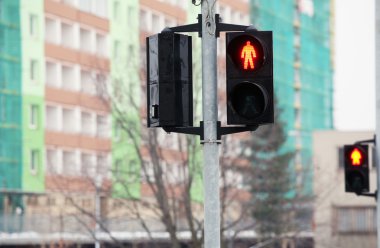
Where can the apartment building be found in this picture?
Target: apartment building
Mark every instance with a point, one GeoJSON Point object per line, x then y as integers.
{"type": "Point", "coordinates": [78, 120]}
{"type": "Point", "coordinates": [56, 126]}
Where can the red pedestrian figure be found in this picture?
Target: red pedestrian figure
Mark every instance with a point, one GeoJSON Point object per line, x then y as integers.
{"type": "Point", "coordinates": [248, 53]}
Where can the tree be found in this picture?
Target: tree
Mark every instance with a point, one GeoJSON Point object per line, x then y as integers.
{"type": "Point", "coordinates": [174, 205]}
{"type": "Point", "coordinates": [272, 185]}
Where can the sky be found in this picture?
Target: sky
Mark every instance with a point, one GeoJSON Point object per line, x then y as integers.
{"type": "Point", "coordinates": [354, 76]}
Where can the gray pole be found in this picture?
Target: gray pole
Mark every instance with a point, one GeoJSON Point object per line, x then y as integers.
{"type": "Point", "coordinates": [377, 69]}
{"type": "Point", "coordinates": [98, 186]}
{"type": "Point", "coordinates": [210, 117]}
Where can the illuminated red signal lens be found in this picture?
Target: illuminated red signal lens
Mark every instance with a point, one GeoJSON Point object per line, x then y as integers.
{"type": "Point", "coordinates": [246, 52]}
{"type": "Point", "coordinates": [356, 157]}
{"type": "Point", "coordinates": [248, 56]}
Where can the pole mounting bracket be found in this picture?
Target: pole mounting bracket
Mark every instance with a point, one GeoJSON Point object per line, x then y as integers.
{"type": "Point", "coordinates": [361, 142]}
{"type": "Point", "coordinates": [220, 130]}
{"type": "Point", "coordinates": [186, 130]}
{"type": "Point", "coordinates": [219, 27]}
{"type": "Point", "coordinates": [225, 27]}
{"type": "Point", "coordinates": [189, 28]}
{"type": "Point", "coordinates": [368, 194]}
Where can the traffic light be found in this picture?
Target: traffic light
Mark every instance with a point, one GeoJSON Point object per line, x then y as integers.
{"type": "Point", "coordinates": [356, 168]}
{"type": "Point", "coordinates": [169, 80]}
{"type": "Point", "coordinates": [249, 69]}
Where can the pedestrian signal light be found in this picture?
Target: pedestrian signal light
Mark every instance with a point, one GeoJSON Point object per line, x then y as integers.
{"type": "Point", "coordinates": [169, 80]}
{"type": "Point", "coordinates": [249, 65]}
{"type": "Point", "coordinates": [356, 168]}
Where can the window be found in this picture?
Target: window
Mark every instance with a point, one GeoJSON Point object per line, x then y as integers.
{"type": "Point", "coordinates": [87, 84]}
{"type": "Point", "coordinates": [34, 161]}
{"type": "Point", "coordinates": [33, 25]}
{"type": "Point", "coordinates": [52, 162]}
{"type": "Point", "coordinates": [87, 165]}
{"type": "Point", "coordinates": [70, 163]}
{"type": "Point", "coordinates": [101, 45]}
{"type": "Point", "coordinates": [52, 118]}
{"type": "Point", "coordinates": [144, 19]}
{"type": "Point", "coordinates": [355, 219]}
{"type": "Point", "coordinates": [130, 50]}
{"type": "Point", "coordinates": [102, 126]}
{"type": "Point", "coordinates": [51, 30]}
{"type": "Point", "coordinates": [67, 35]}
{"type": "Point", "coordinates": [88, 124]}
{"type": "Point", "coordinates": [68, 78]}
{"type": "Point", "coordinates": [130, 14]}
{"type": "Point", "coordinates": [69, 121]}
{"type": "Point", "coordinates": [156, 24]}
{"type": "Point", "coordinates": [102, 165]}
{"type": "Point", "coordinates": [51, 73]}
{"type": "Point", "coordinates": [33, 116]}
{"type": "Point", "coordinates": [33, 70]}
{"type": "Point", "coordinates": [85, 40]}
{"type": "Point", "coordinates": [116, 10]}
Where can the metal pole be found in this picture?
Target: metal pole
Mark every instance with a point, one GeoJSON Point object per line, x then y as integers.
{"type": "Point", "coordinates": [210, 117]}
{"type": "Point", "coordinates": [98, 186]}
{"type": "Point", "coordinates": [377, 68]}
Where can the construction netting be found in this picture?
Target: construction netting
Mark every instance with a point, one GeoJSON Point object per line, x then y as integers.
{"type": "Point", "coordinates": [10, 96]}
{"type": "Point", "coordinates": [316, 76]}
{"type": "Point", "coordinates": [278, 16]}
{"type": "Point", "coordinates": [302, 68]}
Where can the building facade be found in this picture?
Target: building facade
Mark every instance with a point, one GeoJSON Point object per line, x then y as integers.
{"type": "Point", "coordinates": [56, 127]}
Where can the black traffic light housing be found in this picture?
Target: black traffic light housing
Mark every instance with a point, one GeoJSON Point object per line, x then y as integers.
{"type": "Point", "coordinates": [356, 168]}
{"type": "Point", "coordinates": [169, 80]}
{"type": "Point", "coordinates": [249, 69]}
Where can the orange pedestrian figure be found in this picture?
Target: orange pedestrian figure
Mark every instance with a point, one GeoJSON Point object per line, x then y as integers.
{"type": "Point", "coordinates": [248, 53]}
{"type": "Point", "coordinates": [356, 156]}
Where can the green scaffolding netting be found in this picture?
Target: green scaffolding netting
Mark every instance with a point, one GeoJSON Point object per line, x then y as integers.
{"type": "Point", "coordinates": [277, 16]}
{"type": "Point", "coordinates": [303, 37]}
{"type": "Point", "coordinates": [10, 95]}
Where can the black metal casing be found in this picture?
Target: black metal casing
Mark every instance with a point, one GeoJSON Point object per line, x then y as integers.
{"type": "Point", "coordinates": [356, 177]}
{"type": "Point", "coordinates": [261, 78]}
{"type": "Point", "coordinates": [169, 80]}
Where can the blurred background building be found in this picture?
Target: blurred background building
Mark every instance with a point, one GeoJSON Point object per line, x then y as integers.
{"type": "Point", "coordinates": [58, 134]}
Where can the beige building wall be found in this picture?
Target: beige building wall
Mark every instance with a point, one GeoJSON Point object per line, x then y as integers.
{"type": "Point", "coordinates": [340, 219]}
